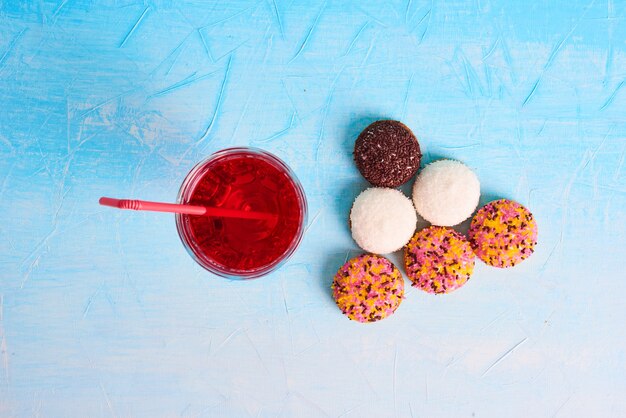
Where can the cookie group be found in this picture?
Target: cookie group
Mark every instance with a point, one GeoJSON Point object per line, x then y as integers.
{"type": "Point", "coordinates": [437, 259]}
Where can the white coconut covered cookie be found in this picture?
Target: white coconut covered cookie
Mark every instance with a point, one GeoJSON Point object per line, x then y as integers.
{"type": "Point", "coordinates": [446, 192]}
{"type": "Point", "coordinates": [382, 220]}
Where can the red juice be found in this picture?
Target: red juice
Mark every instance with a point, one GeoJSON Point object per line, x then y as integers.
{"type": "Point", "coordinates": [249, 180]}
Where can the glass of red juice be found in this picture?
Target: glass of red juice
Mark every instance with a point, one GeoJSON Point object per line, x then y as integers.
{"type": "Point", "coordinates": [247, 179]}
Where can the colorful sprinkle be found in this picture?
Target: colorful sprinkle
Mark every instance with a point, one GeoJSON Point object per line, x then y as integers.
{"type": "Point", "coordinates": [503, 233]}
{"type": "Point", "coordinates": [438, 260]}
{"type": "Point", "coordinates": [368, 288]}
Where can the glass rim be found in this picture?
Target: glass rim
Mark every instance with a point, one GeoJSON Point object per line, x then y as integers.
{"type": "Point", "coordinates": [188, 186]}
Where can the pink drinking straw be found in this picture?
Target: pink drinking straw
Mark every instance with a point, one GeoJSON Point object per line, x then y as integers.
{"type": "Point", "coordinates": [184, 209]}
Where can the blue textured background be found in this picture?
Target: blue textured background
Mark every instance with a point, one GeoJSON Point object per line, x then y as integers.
{"type": "Point", "coordinates": [102, 312]}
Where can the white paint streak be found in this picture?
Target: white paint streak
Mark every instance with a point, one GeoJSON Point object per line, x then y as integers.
{"type": "Point", "coordinates": [108, 400]}
{"type": "Point", "coordinates": [503, 356]}
{"type": "Point", "coordinates": [319, 212]}
{"type": "Point", "coordinates": [134, 28]}
{"type": "Point", "coordinates": [3, 342]}
{"type": "Point", "coordinates": [11, 47]}
{"type": "Point", "coordinates": [5, 354]}
{"type": "Point", "coordinates": [309, 33]}
{"type": "Point", "coordinates": [218, 104]}
{"type": "Point", "coordinates": [394, 381]}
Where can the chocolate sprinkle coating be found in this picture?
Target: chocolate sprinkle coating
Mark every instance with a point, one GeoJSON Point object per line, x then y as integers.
{"type": "Point", "coordinates": [368, 288]}
{"type": "Point", "coordinates": [387, 153]}
{"type": "Point", "coordinates": [503, 233]}
{"type": "Point", "coordinates": [438, 260]}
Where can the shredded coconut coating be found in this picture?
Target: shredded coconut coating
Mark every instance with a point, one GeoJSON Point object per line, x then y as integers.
{"type": "Point", "coordinates": [382, 220]}
{"type": "Point", "coordinates": [446, 192]}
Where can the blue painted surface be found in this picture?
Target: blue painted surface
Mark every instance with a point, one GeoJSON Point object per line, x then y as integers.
{"type": "Point", "coordinates": [102, 313]}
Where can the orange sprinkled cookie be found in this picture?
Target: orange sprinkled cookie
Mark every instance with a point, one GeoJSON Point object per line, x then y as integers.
{"type": "Point", "coordinates": [368, 288]}
{"type": "Point", "coordinates": [438, 260]}
{"type": "Point", "coordinates": [503, 233]}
